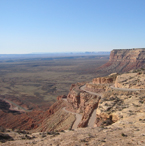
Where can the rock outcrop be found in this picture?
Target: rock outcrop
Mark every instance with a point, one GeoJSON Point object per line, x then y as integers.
{"type": "Point", "coordinates": [123, 60]}
{"type": "Point", "coordinates": [88, 103]}
{"type": "Point", "coordinates": [119, 102]}
{"type": "Point", "coordinates": [102, 80]}
{"type": "Point", "coordinates": [98, 88]}
{"type": "Point", "coordinates": [83, 103]}
{"type": "Point", "coordinates": [131, 81]}
{"type": "Point", "coordinates": [101, 84]}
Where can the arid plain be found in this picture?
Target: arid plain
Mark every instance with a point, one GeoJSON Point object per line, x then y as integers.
{"type": "Point", "coordinates": [36, 82]}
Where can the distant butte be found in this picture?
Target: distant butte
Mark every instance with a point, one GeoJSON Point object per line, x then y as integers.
{"type": "Point", "coordinates": [123, 60]}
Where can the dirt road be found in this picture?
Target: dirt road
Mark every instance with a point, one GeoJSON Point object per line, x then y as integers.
{"type": "Point", "coordinates": [93, 116]}
{"type": "Point", "coordinates": [19, 108]}
{"type": "Point", "coordinates": [78, 118]}
{"type": "Point", "coordinates": [125, 89]}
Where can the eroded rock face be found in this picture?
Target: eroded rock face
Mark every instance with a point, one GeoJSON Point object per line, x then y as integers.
{"type": "Point", "coordinates": [122, 60]}
{"type": "Point", "coordinates": [98, 88]}
{"type": "Point", "coordinates": [74, 98]}
{"type": "Point", "coordinates": [106, 113]}
{"type": "Point", "coordinates": [116, 105]}
{"type": "Point", "coordinates": [83, 103]}
{"type": "Point", "coordinates": [101, 84]}
{"type": "Point", "coordinates": [127, 54]}
{"type": "Point", "coordinates": [103, 80]}
{"type": "Point", "coordinates": [87, 105]}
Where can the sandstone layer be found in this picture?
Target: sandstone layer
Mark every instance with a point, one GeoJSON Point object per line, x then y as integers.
{"type": "Point", "coordinates": [123, 60]}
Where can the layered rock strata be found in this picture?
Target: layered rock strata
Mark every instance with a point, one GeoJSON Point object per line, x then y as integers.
{"type": "Point", "coordinates": [123, 60]}
{"type": "Point", "coordinates": [103, 80]}
{"type": "Point", "coordinates": [101, 84]}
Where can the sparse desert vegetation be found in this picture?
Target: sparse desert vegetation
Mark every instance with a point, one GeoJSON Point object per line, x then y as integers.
{"type": "Point", "coordinates": [35, 83]}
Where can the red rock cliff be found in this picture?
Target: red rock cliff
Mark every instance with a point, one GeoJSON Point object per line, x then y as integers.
{"type": "Point", "coordinates": [122, 60]}
{"type": "Point", "coordinates": [83, 103]}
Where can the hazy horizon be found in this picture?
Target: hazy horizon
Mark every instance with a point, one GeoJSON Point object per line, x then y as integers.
{"type": "Point", "coordinates": [59, 53]}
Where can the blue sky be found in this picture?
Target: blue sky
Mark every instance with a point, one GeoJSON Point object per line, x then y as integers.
{"type": "Point", "coordinates": [28, 26]}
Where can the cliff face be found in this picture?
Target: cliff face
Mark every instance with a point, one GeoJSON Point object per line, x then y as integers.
{"type": "Point", "coordinates": [131, 55]}
{"type": "Point", "coordinates": [122, 60]}
{"type": "Point", "coordinates": [83, 103]}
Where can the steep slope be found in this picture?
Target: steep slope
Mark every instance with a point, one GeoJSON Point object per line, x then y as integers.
{"type": "Point", "coordinates": [38, 120]}
{"type": "Point", "coordinates": [123, 60]}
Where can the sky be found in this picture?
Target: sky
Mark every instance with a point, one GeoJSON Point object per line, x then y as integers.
{"type": "Point", "coordinates": [28, 26]}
